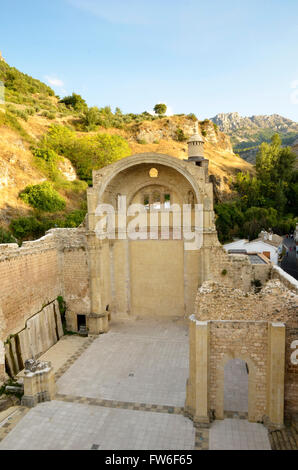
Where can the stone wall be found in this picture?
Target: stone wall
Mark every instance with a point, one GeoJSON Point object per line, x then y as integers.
{"type": "Point", "coordinates": [239, 329]}
{"type": "Point", "coordinates": [41, 332]}
{"type": "Point", "coordinates": [285, 278]}
{"type": "Point", "coordinates": [243, 340]}
{"type": "Point", "coordinates": [30, 278]}
{"type": "Point", "coordinates": [33, 276]}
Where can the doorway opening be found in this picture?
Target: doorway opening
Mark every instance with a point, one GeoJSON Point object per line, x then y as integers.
{"type": "Point", "coordinates": [236, 375]}
{"type": "Point", "coordinates": [81, 319]}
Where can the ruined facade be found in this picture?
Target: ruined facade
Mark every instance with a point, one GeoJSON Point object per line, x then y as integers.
{"type": "Point", "coordinates": [102, 277]}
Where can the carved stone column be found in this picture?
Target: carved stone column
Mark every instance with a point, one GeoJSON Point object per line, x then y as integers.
{"type": "Point", "coordinates": [39, 383]}
{"type": "Point", "coordinates": [97, 320]}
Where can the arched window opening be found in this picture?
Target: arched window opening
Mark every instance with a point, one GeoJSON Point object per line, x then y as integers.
{"type": "Point", "coordinates": [156, 200]}
{"type": "Point", "coordinates": [167, 201]}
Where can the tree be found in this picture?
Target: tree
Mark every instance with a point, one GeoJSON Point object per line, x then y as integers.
{"type": "Point", "coordinates": [160, 109]}
{"type": "Point", "coordinates": [76, 102]}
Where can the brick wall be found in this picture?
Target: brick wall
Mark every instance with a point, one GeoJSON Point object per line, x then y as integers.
{"type": "Point", "coordinates": [243, 340]}
{"type": "Point", "coordinates": [29, 279]}
{"type": "Point", "coordinates": [36, 273]}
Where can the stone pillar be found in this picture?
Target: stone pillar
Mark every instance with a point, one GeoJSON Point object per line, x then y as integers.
{"type": "Point", "coordinates": [2, 362]}
{"type": "Point", "coordinates": [39, 383]}
{"type": "Point", "coordinates": [276, 373]}
{"type": "Point", "coordinates": [97, 320]}
{"type": "Point", "coordinates": [197, 398]}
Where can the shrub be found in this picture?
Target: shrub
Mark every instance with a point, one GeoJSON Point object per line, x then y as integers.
{"type": "Point", "coordinates": [180, 136]}
{"type": "Point", "coordinates": [74, 219]}
{"type": "Point", "coordinates": [192, 116]}
{"type": "Point", "coordinates": [75, 101]}
{"type": "Point", "coordinates": [48, 115]}
{"type": "Point", "coordinates": [43, 197]}
{"type": "Point", "coordinates": [48, 155]}
{"type": "Point", "coordinates": [6, 236]}
{"type": "Point", "coordinates": [19, 113]}
{"type": "Point", "coordinates": [25, 228]}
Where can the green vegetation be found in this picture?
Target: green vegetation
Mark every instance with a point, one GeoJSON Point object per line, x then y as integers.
{"type": "Point", "coordinates": [6, 236]}
{"type": "Point", "coordinates": [76, 102]}
{"type": "Point", "coordinates": [267, 200]}
{"type": "Point", "coordinates": [104, 117]}
{"type": "Point", "coordinates": [43, 197]}
{"type": "Point", "coordinates": [62, 309]}
{"type": "Point", "coordinates": [262, 136]}
{"type": "Point", "coordinates": [10, 120]}
{"type": "Point", "coordinates": [180, 136]}
{"type": "Point", "coordinates": [16, 81]}
{"type": "Point", "coordinates": [36, 225]}
{"type": "Point", "coordinates": [87, 153]}
{"type": "Point", "coordinates": [160, 109]}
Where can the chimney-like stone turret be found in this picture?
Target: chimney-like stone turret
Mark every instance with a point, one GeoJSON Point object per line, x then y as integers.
{"type": "Point", "coordinates": [195, 144]}
{"type": "Point", "coordinates": [196, 149]}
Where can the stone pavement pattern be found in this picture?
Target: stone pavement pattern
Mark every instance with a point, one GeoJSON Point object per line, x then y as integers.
{"type": "Point", "coordinates": [231, 434]}
{"type": "Point", "coordinates": [126, 390]}
{"type": "Point", "coordinates": [59, 425]}
{"type": "Point", "coordinates": [141, 361]}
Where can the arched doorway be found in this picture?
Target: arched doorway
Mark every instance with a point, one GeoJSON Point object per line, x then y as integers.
{"type": "Point", "coordinates": [236, 378]}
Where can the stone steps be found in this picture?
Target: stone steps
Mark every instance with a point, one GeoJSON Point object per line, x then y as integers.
{"type": "Point", "coordinates": [285, 439]}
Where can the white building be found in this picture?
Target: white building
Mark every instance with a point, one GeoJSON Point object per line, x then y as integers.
{"type": "Point", "coordinates": [267, 244]}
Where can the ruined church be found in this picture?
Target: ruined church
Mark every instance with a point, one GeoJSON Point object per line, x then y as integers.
{"type": "Point", "coordinates": [238, 306]}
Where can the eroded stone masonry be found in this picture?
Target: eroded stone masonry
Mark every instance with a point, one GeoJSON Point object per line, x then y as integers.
{"type": "Point", "coordinates": [237, 307]}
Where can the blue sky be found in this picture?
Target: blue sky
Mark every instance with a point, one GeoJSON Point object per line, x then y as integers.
{"type": "Point", "coordinates": [196, 56]}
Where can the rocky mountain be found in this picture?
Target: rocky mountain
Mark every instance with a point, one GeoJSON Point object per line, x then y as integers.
{"type": "Point", "coordinates": [247, 133]}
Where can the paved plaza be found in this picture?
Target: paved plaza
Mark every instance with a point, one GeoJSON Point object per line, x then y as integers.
{"type": "Point", "coordinates": [126, 390]}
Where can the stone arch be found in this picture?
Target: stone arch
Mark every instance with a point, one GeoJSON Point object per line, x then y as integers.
{"type": "Point", "coordinates": [154, 159]}
{"type": "Point", "coordinates": [140, 187]}
{"type": "Point", "coordinates": [252, 391]}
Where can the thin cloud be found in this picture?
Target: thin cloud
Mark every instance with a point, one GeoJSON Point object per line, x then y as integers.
{"type": "Point", "coordinates": [54, 81]}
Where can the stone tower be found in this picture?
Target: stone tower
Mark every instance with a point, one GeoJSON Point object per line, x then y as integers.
{"type": "Point", "coordinates": [196, 149]}
{"type": "Point", "coordinates": [196, 145]}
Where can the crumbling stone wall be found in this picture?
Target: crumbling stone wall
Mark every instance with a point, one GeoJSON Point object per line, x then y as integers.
{"type": "Point", "coordinates": [239, 328]}
{"type": "Point", "coordinates": [35, 274]}
{"type": "Point", "coordinates": [230, 269]}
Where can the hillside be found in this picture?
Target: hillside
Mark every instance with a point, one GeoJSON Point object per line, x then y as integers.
{"type": "Point", "coordinates": [32, 109]}
{"type": "Point", "coordinates": [247, 133]}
